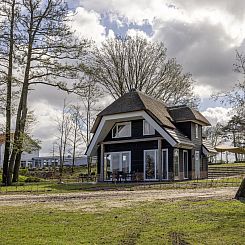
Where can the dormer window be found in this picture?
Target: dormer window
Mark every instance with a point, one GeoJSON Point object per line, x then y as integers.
{"type": "Point", "coordinates": [147, 128]}
{"type": "Point", "coordinates": [196, 131]}
{"type": "Point", "coordinates": [121, 130]}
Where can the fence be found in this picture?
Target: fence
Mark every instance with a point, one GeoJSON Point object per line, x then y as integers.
{"type": "Point", "coordinates": [73, 186]}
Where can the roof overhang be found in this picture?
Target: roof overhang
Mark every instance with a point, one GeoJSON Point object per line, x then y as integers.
{"type": "Point", "coordinates": [107, 122]}
{"type": "Point", "coordinates": [207, 152]}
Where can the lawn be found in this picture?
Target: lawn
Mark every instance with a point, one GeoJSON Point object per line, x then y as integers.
{"type": "Point", "coordinates": [151, 222]}
{"type": "Point", "coordinates": [241, 164]}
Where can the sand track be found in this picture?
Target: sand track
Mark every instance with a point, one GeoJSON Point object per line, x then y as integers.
{"type": "Point", "coordinates": [116, 197]}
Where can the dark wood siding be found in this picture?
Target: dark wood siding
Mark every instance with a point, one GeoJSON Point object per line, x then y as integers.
{"type": "Point", "coordinates": [136, 132]}
{"type": "Point", "coordinates": [185, 128]}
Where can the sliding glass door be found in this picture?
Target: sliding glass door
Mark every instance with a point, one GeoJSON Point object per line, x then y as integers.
{"type": "Point", "coordinates": [185, 163]}
{"type": "Point", "coordinates": [150, 165]}
{"type": "Point", "coordinates": [165, 164]}
{"type": "Point", "coordinates": [116, 162]}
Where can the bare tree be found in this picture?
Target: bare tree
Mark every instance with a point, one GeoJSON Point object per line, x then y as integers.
{"type": "Point", "coordinates": [90, 93]}
{"type": "Point", "coordinates": [236, 96]}
{"type": "Point", "coordinates": [122, 64]}
{"type": "Point", "coordinates": [235, 131]}
{"type": "Point", "coordinates": [64, 128]}
{"type": "Point", "coordinates": [76, 137]}
{"type": "Point", "coordinates": [9, 12]}
{"type": "Point", "coordinates": [215, 134]}
{"type": "Point", "coordinates": [49, 53]}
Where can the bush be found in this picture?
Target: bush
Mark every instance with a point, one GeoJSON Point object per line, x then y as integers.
{"type": "Point", "coordinates": [32, 179]}
{"type": "Point", "coordinates": [23, 171]}
{"type": "Point", "coordinates": [22, 178]}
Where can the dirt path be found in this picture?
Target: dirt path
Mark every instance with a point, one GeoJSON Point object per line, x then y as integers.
{"type": "Point", "coordinates": [108, 199]}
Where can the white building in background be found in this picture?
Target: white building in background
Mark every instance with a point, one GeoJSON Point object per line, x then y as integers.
{"type": "Point", "coordinates": [51, 161]}
{"type": "Point", "coordinates": [32, 159]}
{"type": "Point", "coordinates": [25, 157]}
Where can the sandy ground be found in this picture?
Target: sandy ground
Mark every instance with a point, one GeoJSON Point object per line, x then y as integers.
{"type": "Point", "coordinates": [103, 200]}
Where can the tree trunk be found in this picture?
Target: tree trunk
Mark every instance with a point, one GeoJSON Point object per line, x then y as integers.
{"type": "Point", "coordinates": [241, 191]}
{"type": "Point", "coordinates": [15, 143]}
{"type": "Point", "coordinates": [16, 167]}
{"type": "Point", "coordinates": [21, 118]}
{"type": "Point", "coordinates": [74, 144]}
{"type": "Point", "coordinates": [8, 99]}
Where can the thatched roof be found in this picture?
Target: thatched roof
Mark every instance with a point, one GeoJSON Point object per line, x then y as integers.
{"type": "Point", "coordinates": [137, 101]}
{"type": "Point", "coordinates": [165, 116]}
{"type": "Point", "coordinates": [185, 113]}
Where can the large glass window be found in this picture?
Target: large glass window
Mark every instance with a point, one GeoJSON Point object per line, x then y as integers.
{"type": "Point", "coordinates": [147, 128]}
{"type": "Point", "coordinates": [165, 164]}
{"type": "Point", "coordinates": [116, 162]}
{"type": "Point", "coordinates": [150, 164]}
{"type": "Point", "coordinates": [176, 163]}
{"type": "Point", "coordinates": [185, 164]}
{"type": "Point", "coordinates": [121, 130]}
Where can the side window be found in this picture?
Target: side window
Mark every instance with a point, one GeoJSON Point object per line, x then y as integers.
{"type": "Point", "coordinates": [147, 128]}
{"type": "Point", "coordinates": [196, 125]}
{"type": "Point", "coordinates": [121, 130]}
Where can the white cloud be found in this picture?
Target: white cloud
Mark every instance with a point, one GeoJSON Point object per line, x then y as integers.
{"type": "Point", "coordinates": [204, 90]}
{"type": "Point", "coordinates": [135, 32]}
{"type": "Point", "coordinates": [218, 114]}
{"type": "Point", "coordinates": [86, 23]}
{"type": "Point", "coordinates": [46, 125]}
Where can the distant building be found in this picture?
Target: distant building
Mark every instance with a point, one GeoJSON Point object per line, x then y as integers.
{"type": "Point", "coordinates": [51, 161]}
{"type": "Point", "coordinates": [31, 149]}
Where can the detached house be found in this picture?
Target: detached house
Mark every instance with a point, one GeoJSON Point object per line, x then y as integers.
{"type": "Point", "coordinates": [138, 137]}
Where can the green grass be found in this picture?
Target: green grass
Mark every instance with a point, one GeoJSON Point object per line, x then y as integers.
{"type": "Point", "coordinates": [186, 222]}
{"type": "Point", "coordinates": [242, 164]}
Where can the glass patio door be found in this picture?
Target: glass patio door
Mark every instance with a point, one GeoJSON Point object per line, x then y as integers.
{"type": "Point", "coordinates": [150, 165]}
{"type": "Point", "coordinates": [185, 164]}
{"type": "Point", "coordinates": [116, 162]}
{"type": "Point", "coordinates": [165, 164]}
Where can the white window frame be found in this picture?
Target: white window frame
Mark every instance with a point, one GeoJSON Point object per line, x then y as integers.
{"type": "Point", "coordinates": [120, 163]}
{"type": "Point", "coordinates": [150, 127]}
{"type": "Point", "coordinates": [184, 164]}
{"type": "Point", "coordinates": [196, 130]}
{"type": "Point", "coordinates": [166, 150]}
{"type": "Point", "coordinates": [118, 124]}
{"type": "Point", "coordinates": [155, 167]}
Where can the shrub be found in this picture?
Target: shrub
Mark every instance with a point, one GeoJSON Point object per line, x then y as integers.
{"type": "Point", "coordinates": [23, 171]}
{"type": "Point", "coordinates": [32, 179]}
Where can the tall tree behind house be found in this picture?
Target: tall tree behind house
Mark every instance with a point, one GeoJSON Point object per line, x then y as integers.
{"type": "Point", "coordinates": [122, 64]}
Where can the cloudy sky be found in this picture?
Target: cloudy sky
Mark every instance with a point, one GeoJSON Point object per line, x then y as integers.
{"type": "Point", "coordinates": [203, 35]}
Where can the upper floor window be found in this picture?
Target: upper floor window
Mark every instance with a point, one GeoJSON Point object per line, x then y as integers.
{"type": "Point", "coordinates": [147, 128]}
{"type": "Point", "coordinates": [121, 130]}
{"type": "Point", "coordinates": [196, 130]}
